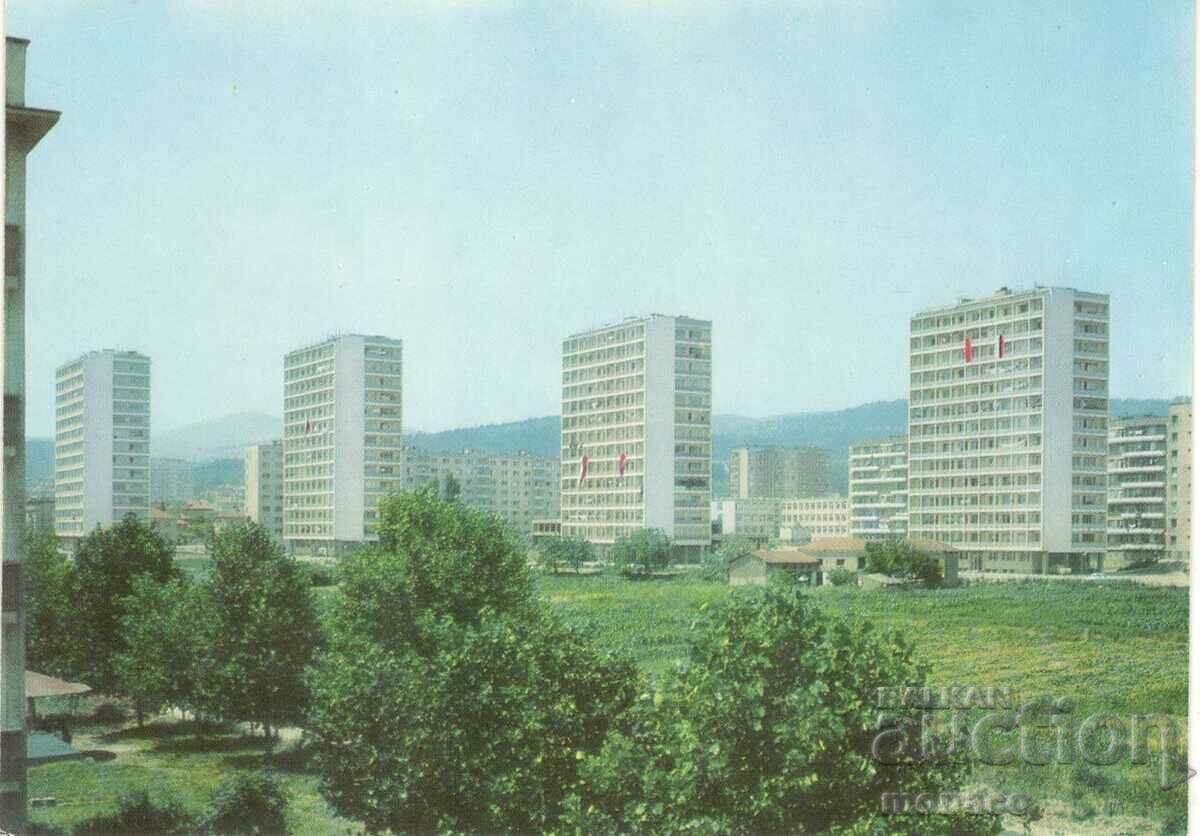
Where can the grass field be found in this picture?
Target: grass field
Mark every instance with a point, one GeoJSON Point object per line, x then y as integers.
{"type": "Point", "coordinates": [1113, 648]}
{"type": "Point", "coordinates": [169, 761]}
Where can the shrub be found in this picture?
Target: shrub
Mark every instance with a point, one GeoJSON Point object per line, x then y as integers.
{"type": "Point", "coordinates": [138, 814]}
{"type": "Point", "coordinates": [249, 804]}
{"type": "Point", "coordinates": [842, 577]}
{"type": "Point", "coordinates": [900, 559]}
{"type": "Point", "coordinates": [642, 552]}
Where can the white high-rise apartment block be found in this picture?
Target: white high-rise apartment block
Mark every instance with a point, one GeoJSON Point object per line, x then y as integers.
{"type": "Point", "coordinates": [264, 486]}
{"type": "Point", "coordinates": [1137, 490]}
{"type": "Point", "coordinates": [102, 441]}
{"type": "Point", "coordinates": [342, 447]}
{"type": "Point", "coordinates": [1008, 429]}
{"type": "Point", "coordinates": [879, 488]}
{"type": "Point", "coordinates": [637, 431]}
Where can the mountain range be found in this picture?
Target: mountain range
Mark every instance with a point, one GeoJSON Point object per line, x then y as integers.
{"type": "Point", "coordinates": [218, 443]}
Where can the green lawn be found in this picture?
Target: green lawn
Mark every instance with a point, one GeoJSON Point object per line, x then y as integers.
{"type": "Point", "coordinates": [170, 762]}
{"type": "Point", "coordinates": [1112, 648]}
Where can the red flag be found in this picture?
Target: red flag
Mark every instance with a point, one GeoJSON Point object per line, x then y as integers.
{"type": "Point", "coordinates": [621, 466]}
{"type": "Point", "coordinates": [583, 469]}
{"type": "Point", "coordinates": [968, 351]}
{"type": "Point", "coordinates": [1000, 347]}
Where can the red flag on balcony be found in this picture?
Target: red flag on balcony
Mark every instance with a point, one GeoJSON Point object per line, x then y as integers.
{"type": "Point", "coordinates": [583, 469]}
{"type": "Point", "coordinates": [1000, 347]}
{"type": "Point", "coordinates": [621, 466]}
{"type": "Point", "coordinates": [968, 351]}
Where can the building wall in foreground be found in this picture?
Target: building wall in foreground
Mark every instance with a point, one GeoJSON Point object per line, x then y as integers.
{"type": "Point", "coordinates": [1179, 481]}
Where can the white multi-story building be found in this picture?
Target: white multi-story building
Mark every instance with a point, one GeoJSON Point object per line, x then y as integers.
{"type": "Point", "coordinates": [519, 487]}
{"type": "Point", "coordinates": [102, 441]}
{"type": "Point", "coordinates": [264, 486]}
{"type": "Point", "coordinates": [24, 128]}
{"type": "Point", "coordinates": [1008, 429]}
{"type": "Point", "coordinates": [879, 488]}
{"type": "Point", "coordinates": [1137, 490]}
{"type": "Point", "coordinates": [637, 431]}
{"type": "Point", "coordinates": [815, 517]}
{"type": "Point", "coordinates": [755, 519]}
{"type": "Point", "coordinates": [342, 445]}
{"type": "Point", "coordinates": [1179, 481]}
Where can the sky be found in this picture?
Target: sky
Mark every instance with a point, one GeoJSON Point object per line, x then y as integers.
{"type": "Point", "coordinates": [231, 180]}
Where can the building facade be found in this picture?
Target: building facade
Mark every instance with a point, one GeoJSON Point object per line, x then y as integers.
{"type": "Point", "coordinates": [1179, 481]}
{"type": "Point", "coordinates": [172, 481]}
{"type": "Point", "coordinates": [519, 487]}
{"type": "Point", "coordinates": [1008, 429]}
{"type": "Point", "coordinates": [1137, 490]}
{"type": "Point", "coordinates": [342, 443]}
{"type": "Point", "coordinates": [264, 486]}
{"type": "Point", "coordinates": [102, 441]}
{"type": "Point", "coordinates": [815, 517]}
{"type": "Point", "coordinates": [778, 472]}
{"type": "Point", "coordinates": [24, 128]}
{"type": "Point", "coordinates": [878, 487]}
{"type": "Point", "coordinates": [637, 431]}
{"type": "Point", "coordinates": [754, 519]}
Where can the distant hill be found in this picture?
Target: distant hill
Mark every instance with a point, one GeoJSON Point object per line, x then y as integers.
{"type": "Point", "coordinates": [219, 443]}
{"type": "Point", "coordinates": [217, 438]}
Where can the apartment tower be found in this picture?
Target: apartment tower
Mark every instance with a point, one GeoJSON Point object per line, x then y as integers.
{"type": "Point", "coordinates": [637, 431]}
{"type": "Point", "coordinates": [1008, 429]}
{"type": "Point", "coordinates": [342, 447]}
{"type": "Point", "coordinates": [878, 488]}
{"type": "Point", "coordinates": [1179, 481]}
{"type": "Point", "coordinates": [264, 486]}
{"type": "Point", "coordinates": [1137, 490]}
{"type": "Point", "coordinates": [778, 472]}
{"type": "Point", "coordinates": [24, 127]}
{"type": "Point", "coordinates": [101, 441]}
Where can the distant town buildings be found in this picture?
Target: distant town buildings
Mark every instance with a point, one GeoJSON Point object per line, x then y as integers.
{"type": "Point", "coordinates": [229, 500]}
{"type": "Point", "coordinates": [264, 486]}
{"type": "Point", "coordinates": [172, 481]}
{"type": "Point", "coordinates": [1137, 490]}
{"type": "Point", "coordinates": [778, 472]}
{"type": "Point", "coordinates": [342, 443]}
{"type": "Point", "coordinates": [1179, 481]}
{"type": "Point", "coordinates": [814, 518]}
{"type": "Point", "coordinates": [878, 488]}
{"type": "Point", "coordinates": [39, 514]}
{"type": "Point", "coordinates": [1008, 429]}
{"type": "Point", "coordinates": [102, 441]}
{"type": "Point", "coordinates": [25, 126]}
{"type": "Point", "coordinates": [519, 487]}
{"type": "Point", "coordinates": [637, 431]}
{"type": "Point", "coordinates": [755, 519]}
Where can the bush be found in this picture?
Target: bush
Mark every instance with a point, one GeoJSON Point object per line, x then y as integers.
{"type": "Point", "coordinates": [842, 577]}
{"type": "Point", "coordinates": [136, 815]}
{"type": "Point", "coordinates": [249, 804]}
{"type": "Point", "coordinates": [900, 559]}
{"type": "Point", "coordinates": [642, 552]}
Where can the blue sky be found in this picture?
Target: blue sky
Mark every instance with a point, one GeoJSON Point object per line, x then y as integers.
{"type": "Point", "coordinates": [232, 179]}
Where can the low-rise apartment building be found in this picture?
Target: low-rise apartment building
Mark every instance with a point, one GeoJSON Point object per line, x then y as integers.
{"type": "Point", "coordinates": [819, 516]}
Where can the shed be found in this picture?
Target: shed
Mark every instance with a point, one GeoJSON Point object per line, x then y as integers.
{"type": "Point", "coordinates": [755, 568]}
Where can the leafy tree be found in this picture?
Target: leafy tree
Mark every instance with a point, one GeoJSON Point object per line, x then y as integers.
{"type": "Point", "coordinates": [449, 697]}
{"type": "Point", "coordinates": [107, 561]}
{"type": "Point", "coordinates": [714, 566]}
{"type": "Point", "coordinates": [264, 630]}
{"type": "Point", "coordinates": [841, 577]}
{"type": "Point", "coordinates": [769, 729]}
{"type": "Point", "coordinates": [49, 604]}
{"type": "Point", "coordinates": [565, 552]}
{"type": "Point", "coordinates": [165, 627]}
{"type": "Point", "coordinates": [642, 552]}
{"type": "Point", "coordinates": [900, 559]}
